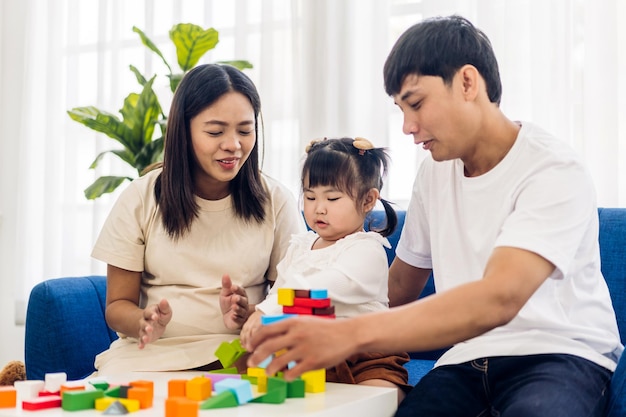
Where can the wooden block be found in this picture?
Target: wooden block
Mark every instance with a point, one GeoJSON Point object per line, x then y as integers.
{"type": "Point", "coordinates": [181, 407]}
{"type": "Point", "coordinates": [286, 296]}
{"type": "Point", "coordinates": [330, 310]}
{"type": "Point", "coordinates": [298, 310]}
{"type": "Point", "coordinates": [177, 388]}
{"type": "Point", "coordinates": [143, 395]}
{"type": "Point", "coordinates": [80, 400]}
{"type": "Point", "coordinates": [312, 302]}
{"type": "Point", "coordinates": [269, 319]}
{"type": "Point", "coordinates": [42, 403]}
{"type": "Point", "coordinates": [318, 293]}
{"type": "Point", "coordinates": [314, 381]}
{"type": "Point", "coordinates": [303, 293]}
{"type": "Point", "coordinates": [8, 397]}
{"type": "Point", "coordinates": [241, 388]}
{"type": "Point", "coordinates": [198, 388]}
{"type": "Point", "coordinates": [222, 400]}
{"type": "Point", "coordinates": [131, 405]}
{"type": "Point", "coordinates": [295, 388]}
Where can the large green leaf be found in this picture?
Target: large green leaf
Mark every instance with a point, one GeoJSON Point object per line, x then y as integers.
{"type": "Point", "coordinates": [146, 41]}
{"type": "Point", "coordinates": [124, 154]}
{"type": "Point", "coordinates": [100, 121]}
{"type": "Point", "coordinates": [240, 64]}
{"type": "Point", "coordinates": [192, 42]}
{"type": "Point", "coordinates": [141, 113]}
{"type": "Point", "coordinates": [140, 78]}
{"type": "Point", "coordinates": [104, 184]}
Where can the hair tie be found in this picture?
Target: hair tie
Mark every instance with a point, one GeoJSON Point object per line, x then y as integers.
{"type": "Point", "coordinates": [362, 145]}
{"type": "Point", "coordinates": [312, 143]}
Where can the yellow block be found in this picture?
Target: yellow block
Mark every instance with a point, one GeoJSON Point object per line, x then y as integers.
{"type": "Point", "coordinates": [286, 296]}
{"type": "Point", "coordinates": [314, 381]}
{"type": "Point", "coordinates": [104, 403]}
{"type": "Point", "coordinates": [256, 372]}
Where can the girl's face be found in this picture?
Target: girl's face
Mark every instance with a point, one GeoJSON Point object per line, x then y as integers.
{"type": "Point", "coordinates": [222, 137]}
{"type": "Point", "coordinates": [333, 214]}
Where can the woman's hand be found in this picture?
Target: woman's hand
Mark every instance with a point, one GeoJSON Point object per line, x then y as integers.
{"type": "Point", "coordinates": [249, 328]}
{"type": "Point", "coordinates": [153, 322]}
{"type": "Point", "coordinates": [233, 303]}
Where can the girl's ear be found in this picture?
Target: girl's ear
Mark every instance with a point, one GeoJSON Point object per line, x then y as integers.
{"type": "Point", "coordinates": [370, 200]}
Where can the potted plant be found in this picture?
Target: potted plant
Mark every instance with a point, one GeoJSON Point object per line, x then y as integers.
{"type": "Point", "coordinates": [141, 129]}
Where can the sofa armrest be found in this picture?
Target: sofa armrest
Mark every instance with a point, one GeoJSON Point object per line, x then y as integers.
{"type": "Point", "coordinates": [66, 327]}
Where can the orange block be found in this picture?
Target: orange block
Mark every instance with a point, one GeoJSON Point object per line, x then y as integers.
{"type": "Point", "coordinates": [70, 388]}
{"type": "Point", "coordinates": [181, 407]}
{"type": "Point", "coordinates": [149, 385]}
{"type": "Point", "coordinates": [8, 397]}
{"type": "Point", "coordinates": [177, 388]}
{"type": "Point", "coordinates": [199, 388]}
{"type": "Point", "coordinates": [143, 395]}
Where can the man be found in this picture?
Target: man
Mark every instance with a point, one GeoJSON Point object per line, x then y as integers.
{"type": "Point", "coordinates": [505, 216]}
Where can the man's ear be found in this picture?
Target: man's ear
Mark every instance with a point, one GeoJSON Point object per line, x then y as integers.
{"type": "Point", "coordinates": [471, 81]}
{"type": "Point", "coordinates": [371, 198]}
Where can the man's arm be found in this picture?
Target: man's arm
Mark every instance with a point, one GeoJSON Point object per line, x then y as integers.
{"type": "Point", "coordinates": [510, 279]}
{"type": "Point", "coordinates": [406, 282]}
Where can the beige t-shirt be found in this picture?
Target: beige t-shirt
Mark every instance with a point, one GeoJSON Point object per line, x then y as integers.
{"type": "Point", "coordinates": [188, 272]}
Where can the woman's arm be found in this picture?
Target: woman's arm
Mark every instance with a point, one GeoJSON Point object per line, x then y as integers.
{"type": "Point", "coordinates": [122, 310]}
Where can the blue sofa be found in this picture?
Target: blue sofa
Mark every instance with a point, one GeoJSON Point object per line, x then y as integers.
{"type": "Point", "coordinates": [66, 329]}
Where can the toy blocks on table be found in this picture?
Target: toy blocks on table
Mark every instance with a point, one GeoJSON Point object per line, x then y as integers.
{"type": "Point", "coordinates": [222, 400]}
{"type": "Point", "coordinates": [240, 387]}
{"type": "Point", "coordinates": [181, 407]}
{"type": "Point", "coordinates": [80, 400]}
{"type": "Point", "coordinates": [198, 388]}
{"type": "Point", "coordinates": [276, 392]}
{"type": "Point", "coordinates": [8, 397]}
{"type": "Point", "coordinates": [228, 353]}
{"type": "Point", "coordinates": [306, 302]}
{"type": "Point", "coordinates": [42, 403]}
{"type": "Point", "coordinates": [116, 408]}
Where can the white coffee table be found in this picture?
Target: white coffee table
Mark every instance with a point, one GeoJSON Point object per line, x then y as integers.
{"type": "Point", "coordinates": [339, 400]}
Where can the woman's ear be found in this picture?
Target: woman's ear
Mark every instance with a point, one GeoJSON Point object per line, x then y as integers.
{"type": "Point", "coordinates": [371, 198]}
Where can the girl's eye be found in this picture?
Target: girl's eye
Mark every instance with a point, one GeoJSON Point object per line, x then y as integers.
{"type": "Point", "coordinates": [245, 133]}
{"type": "Point", "coordinates": [310, 198]}
{"type": "Point", "coordinates": [213, 133]}
{"type": "Point", "coordinates": [334, 199]}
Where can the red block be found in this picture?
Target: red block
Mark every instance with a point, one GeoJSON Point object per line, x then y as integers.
{"type": "Point", "coordinates": [297, 310]}
{"type": "Point", "coordinates": [41, 403]}
{"type": "Point", "coordinates": [324, 311]}
{"type": "Point", "coordinates": [311, 302]}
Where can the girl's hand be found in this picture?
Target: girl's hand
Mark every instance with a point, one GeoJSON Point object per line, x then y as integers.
{"type": "Point", "coordinates": [153, 322]}
{"type": "Point", "coordinates": [233, 303]}
{"type": "Point", "coordinates": [249, 328]}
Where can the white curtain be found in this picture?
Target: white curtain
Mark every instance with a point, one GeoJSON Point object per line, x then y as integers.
{"type": "Point", "coordinates": [318, 66]}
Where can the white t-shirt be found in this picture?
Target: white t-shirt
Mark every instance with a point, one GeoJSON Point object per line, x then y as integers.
{"type": "Point", "coordinates": [354, 271]}
{"type": "Point", "coordinates": [539, 198]}
{"type": "Point", "coordinates": [188, 272]}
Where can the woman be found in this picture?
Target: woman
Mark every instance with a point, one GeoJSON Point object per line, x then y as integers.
{"type": "Point", "coordinates": [175, 231]}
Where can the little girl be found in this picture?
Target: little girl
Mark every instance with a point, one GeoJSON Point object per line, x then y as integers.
{"type": "Point", "coordinates": [341, 183]}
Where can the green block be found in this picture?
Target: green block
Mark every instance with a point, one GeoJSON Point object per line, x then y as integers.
{"type": "Point", "coordinates": [228, 353]}
{"type": "Point", "coordinates": [275, 396]}
{"type": "Point", "coordinates": [102, 386]}
{"type": "Point", "coordinates": [224, 399]}
{"type": "Point", "coordinates": [80, 400]}
{"type": "Point", "coordinates": [114, 392]}
{"type": "Point", "coordinates": [295, 388]}
{"type": "Point", "coordinates": [224, 371]}
{"type": "Point", "coordinates": [253, 379]}
{"type": "Point", "coordinates": [276, 383]}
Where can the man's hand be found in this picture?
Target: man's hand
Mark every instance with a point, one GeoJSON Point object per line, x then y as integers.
{"type": "Point", "coordinates": [312, 343]}
{"type": "Point", "coordinates": [233, 303]}
{"type": "Point", "coordinates": [153, 322]}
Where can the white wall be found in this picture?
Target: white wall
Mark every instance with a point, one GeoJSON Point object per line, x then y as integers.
{"type": "Point", "coordinates": [11, 51]}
